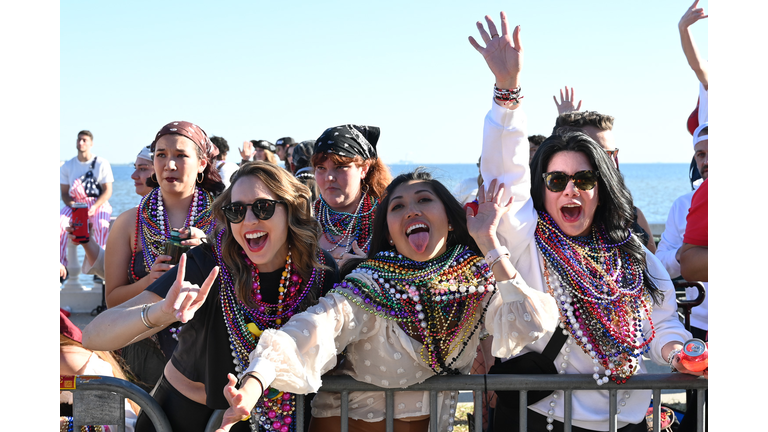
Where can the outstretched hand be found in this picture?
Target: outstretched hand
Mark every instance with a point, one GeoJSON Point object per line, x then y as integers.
{"type": "Point", "coordinates": [237, 411]}
{"type": "Point", "coordinates": [691, 16]}
{"type": "Point", "coordinates": [184, 298]}
{"type": "Point", "coordinates": [503, 53]}
{"type": "Point", "coordinates": [247, 151]}
{"type": "Point", "coordinates": [482, 226]}
{"type": "Point", "coordinates": [566, 102]}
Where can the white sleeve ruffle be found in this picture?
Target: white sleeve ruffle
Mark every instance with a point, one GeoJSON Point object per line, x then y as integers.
{"type": "Point", "coordinates": [517, 316]}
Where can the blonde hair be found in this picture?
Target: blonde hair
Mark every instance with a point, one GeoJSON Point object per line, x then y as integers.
{"type": "Point", "coordinates": [303, 229]}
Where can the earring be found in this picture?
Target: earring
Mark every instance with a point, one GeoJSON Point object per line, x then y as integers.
{"type": "Point", "coordinates": [201, 178]}
{"type": "Point", "coordinates": [450, 227]}
{"type": "Point", "coordinates": [391, 241]}
{"type": "Point", "coordinates": [154, 178]}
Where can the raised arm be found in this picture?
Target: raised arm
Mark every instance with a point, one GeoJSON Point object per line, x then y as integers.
{"type": "Point", "coordinates": [566, 102]}
{"type": "Point", "coordinates": [699, 66]}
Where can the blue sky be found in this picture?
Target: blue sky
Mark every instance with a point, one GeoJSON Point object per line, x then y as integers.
{"type": "Point", "coordinates": [263, 70]}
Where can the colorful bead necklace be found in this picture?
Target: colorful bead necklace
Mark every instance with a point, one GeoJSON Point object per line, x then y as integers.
{"type": "Point", "coordinates": [153, 227]}
{"type": "Point", "coordinates": [276, 410]}
{"type": "Point", "coordinates": [601, 297]}
{"type": "Point", "coordinates": [348, 227]}
{"type": "Point", "coordinates": [436, 302]}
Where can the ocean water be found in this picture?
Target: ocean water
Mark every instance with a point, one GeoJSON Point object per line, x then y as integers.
{"type": "Point", "coordinates": [653, 186]}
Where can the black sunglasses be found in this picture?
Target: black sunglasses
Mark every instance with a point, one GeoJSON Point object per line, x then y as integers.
{"type": "Point", "coordinates": [556, 181]}
{"type": "Point", "coordinates": [263, 209]}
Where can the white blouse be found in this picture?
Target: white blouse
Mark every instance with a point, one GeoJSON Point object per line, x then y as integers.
{"type": "Point", "coordinates": [378, 351]}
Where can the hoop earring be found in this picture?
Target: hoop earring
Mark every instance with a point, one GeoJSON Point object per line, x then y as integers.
{"type": "Point", "coordinates": [153, 177]}
{"type": "Point", "coordinates": [201, 178]}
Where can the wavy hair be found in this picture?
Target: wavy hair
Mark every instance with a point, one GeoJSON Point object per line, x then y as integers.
{"type": "Point", "coordinates": [377, 177]}
{"type": "Point", "coordinates": [615, 210]}
{"type": "Point", "coordinates": [303, 229]}
{"type": "Point", "coordinates": [457, 217]}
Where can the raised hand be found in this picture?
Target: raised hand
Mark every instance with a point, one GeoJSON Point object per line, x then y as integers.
{"type": "Point", "coordinates": [482, 226]}
{"type": "Point", "coordinates": [566, 102]}
{"type": "Point", "coordinates": [691, 15]}
{"type": "Point", "coordinates": [247, 151]}
{"type": "Point", "coordinates": [503, 52]}
{"type": "Point", "coordinates": [184, 298]}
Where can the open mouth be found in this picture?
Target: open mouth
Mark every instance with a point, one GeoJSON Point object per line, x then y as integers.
{"type": "Point", "coordinates": [418, 236]}
{"type": "Point", "coordinates": [170, 179]}
{"type": "Point", "coordinates": [570, 212]}
{"type": "Point", "coordinates": [256, 240]}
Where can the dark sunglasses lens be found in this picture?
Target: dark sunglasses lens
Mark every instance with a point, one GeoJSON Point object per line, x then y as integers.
{"type": "Point", "coordinates": [263, 209]}
{"type": "Point", "coordinates": [556, 182]}
{"type": "Point", "coordinates": [235, 212]}
{"type": "Point", "coordinates": [585, 180]}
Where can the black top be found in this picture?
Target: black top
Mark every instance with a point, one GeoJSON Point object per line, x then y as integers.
{"type": "Point", "coordinates": [204, 354]}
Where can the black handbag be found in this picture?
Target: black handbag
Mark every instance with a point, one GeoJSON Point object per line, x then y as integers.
{"type": "Point", "coordinates": [530, 363]}
{"type": "Point", "coordinates": [91, 187]}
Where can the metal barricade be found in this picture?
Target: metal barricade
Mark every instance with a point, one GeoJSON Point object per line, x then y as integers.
{"type": "Point", "coordinates": [524, 383]}
{"type": "Point", "coordinates": [100, 400]}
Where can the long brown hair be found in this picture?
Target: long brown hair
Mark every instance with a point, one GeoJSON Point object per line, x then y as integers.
{"type": "Point", "coordinates": [377, 177]}
{"type": "Point", "coordinates": [303, 229]}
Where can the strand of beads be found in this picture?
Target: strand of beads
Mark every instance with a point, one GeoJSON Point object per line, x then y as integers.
{"type": "Point", "coordinates": [344, 225]}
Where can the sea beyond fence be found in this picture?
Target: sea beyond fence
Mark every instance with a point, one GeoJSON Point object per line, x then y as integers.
{"type": "Point", "coordinates": [654, 186]}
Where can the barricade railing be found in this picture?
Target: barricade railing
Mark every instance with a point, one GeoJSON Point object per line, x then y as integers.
{"type": "Point", "coordinates": [523, 383]}
{"type": "Point", "coordinates": [100, 400]}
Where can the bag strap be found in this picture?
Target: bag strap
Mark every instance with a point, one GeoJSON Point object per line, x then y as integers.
{"type": "Point", "coordinates": [93, 164]}
{"type": "Point", "coordinates": [555, 343]}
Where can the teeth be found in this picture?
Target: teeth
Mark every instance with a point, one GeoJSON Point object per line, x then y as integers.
{"type": "Point", "coordinates": [255, 235]}
{"type": "Point", "coordinates": [411, 228]}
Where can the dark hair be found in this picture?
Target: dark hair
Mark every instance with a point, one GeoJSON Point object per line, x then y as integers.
{"type": "Point", "coordinates": [222, 145]}
{"type": "Point", "coordinates": [615, 210]}
{"type": "Point", "coordinates": [579, 119]}
{"type": "Point", "coordinates": [693, 172]}
{"type": "Point", "coordinates": [211, 177]}
{"type": "Point", "coordinates": [303, 229]}
{"type": "Point", "coordinates": [457, 217]}
{"type": "Point", "coordinates": [86, 133]}
{"type": "Point", "coordinates": [302, 154]}
{"type": "Point", "coordinates": [536, 139]}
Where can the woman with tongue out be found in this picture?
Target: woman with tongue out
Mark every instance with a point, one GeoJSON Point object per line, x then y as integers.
{"type": "Point", "coordinates": [351, 179]}
{"type": "Point", "coordinates": [413, 310]}
{"type": "Point", "coordinates": [259, 267]}
{"type": "Point", "coordinates": [568, 233]}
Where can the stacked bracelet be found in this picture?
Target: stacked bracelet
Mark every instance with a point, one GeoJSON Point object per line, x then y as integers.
{"type": "Point", "coordinates": [496, 255]}
{"type": "Point", "coordinates": [671, 357]}
{"type": "Point", "coordinates": [144, 318]}
{"type": "Point", "coordinates": [506, 95]}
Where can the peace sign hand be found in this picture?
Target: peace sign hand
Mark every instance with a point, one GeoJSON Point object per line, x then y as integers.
{"type": "Point", "coordinates": [184, 298]}
{"type": "Point", "coordinates": [503, 53]}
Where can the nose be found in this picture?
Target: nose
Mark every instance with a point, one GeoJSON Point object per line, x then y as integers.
{"type": "Point", "coordinates": [135, 175]}
{"type": "Point", "coordinates": [413, 211]}
{"type": "Point", "coordinates": [171, 164]}
{"type": "Point", "coordinates": [570, 189]}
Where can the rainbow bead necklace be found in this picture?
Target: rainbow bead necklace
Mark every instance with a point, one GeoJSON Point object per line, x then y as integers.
{"type": "Point", "coordinates": [435, 302]}
{"type": "Point", "coordinates": [601, 297]}
{"type": "Point", "coordinates": [348, 227]}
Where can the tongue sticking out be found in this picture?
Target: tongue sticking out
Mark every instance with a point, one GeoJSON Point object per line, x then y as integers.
{"type": "Point", "coordinates": [418, 240]}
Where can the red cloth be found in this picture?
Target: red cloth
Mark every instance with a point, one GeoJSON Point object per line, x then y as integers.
{"type": "Point", "coordinates": [693, 119]}
{"type": "Point", "coordinates": [697, 228]}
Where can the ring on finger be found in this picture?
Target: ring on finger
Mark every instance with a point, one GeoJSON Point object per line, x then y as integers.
{"type": "Point", "coordinates": [494, 35]}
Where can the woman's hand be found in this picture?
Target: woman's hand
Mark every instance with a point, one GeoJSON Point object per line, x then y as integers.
{"type": "Point", "coordinates": [240, 404]}
{"type": "Point", "coordinates": [247, 151]}
{"type": "Point", "coordinates": [184, 298]}
{"type": "Point", "coordinates": [678, 365]}
{"type": "Point", "coordinates": [566, 102]}
{"type": "Point", "coordinates": [482, 226]}
{"type": "Point", "coordinates": [691, 16]}
{"type": "Point", "coordinates": [193, 235]}
{"type": "Point", "coordinates": [159, 267]}
{"type": "Point", "coordinates": [504, 54]}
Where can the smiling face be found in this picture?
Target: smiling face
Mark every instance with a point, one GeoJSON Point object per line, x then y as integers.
{"type": "Point", "coordinates": [417, 221]}
{"type": "Point", "coordinates": [572, 209]}
{"type": "Point", "coordinates": [176, 164]}
{"type": "Point", "coordinates": [340, 184]}
{"type": "Point", "coordinates": [143, 169]}
{"type": "Point", "coordinates": [264, 241]}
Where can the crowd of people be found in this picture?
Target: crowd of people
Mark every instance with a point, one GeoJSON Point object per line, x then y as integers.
{"type": "Point", "coordinates": [308, 258]}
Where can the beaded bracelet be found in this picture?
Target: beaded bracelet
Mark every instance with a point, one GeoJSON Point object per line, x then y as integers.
{"type": "Point", "coordinates": [144, 317]}
{"type": "Point", "coordinates": [671, 357]}
{"type": "Point", "coordinates": [507, 95]}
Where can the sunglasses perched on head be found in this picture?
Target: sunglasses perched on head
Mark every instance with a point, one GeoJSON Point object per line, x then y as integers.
{"type": "Point", "coordinates": [263, 209]}
{"type": "Point", "coordinates": [556, 181]}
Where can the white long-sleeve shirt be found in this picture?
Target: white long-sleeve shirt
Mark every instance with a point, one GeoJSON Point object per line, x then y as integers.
{"type": "Point", "coordinates": [671, 241]}
{"type": "Point", "coordinates": [379, 351]}
{"type": "Point", "coordinates": [505, 158]}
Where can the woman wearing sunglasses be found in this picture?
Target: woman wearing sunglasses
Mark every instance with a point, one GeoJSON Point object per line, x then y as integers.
{"type": "Point", "coordinates": [261, 266]}
{"type": "Point", "coordinates": [568, 233]}
{"type": "Point", "coordinates": [184, 184]}
{"type": "Point", "coordinates": [413, 310]}
{"type": "Point", "coordinates": [351, 179]}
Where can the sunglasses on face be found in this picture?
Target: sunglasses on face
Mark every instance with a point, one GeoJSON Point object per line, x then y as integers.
{"type": "Point", "coordinates": [263, 209]}
{"type": "Point", "coordinates": [556, 181]}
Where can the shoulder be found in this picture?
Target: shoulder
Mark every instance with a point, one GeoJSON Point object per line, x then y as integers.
{"type": "Point", "coordinates": [126, 220]}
